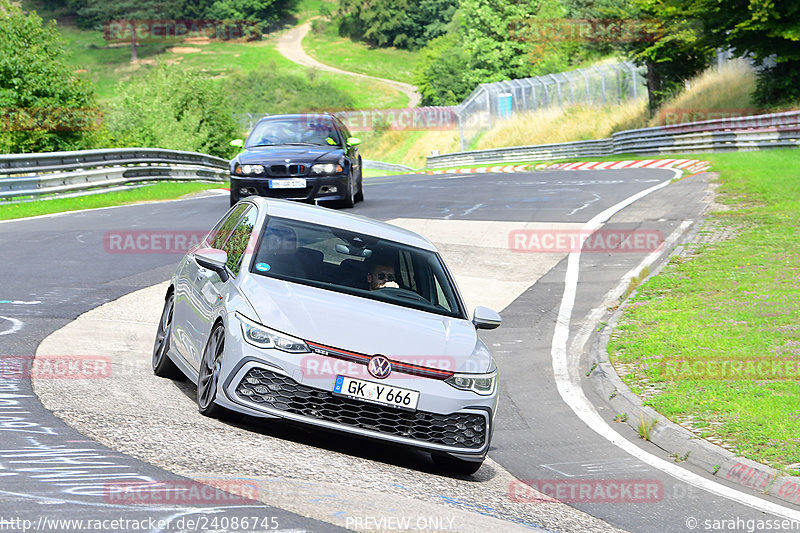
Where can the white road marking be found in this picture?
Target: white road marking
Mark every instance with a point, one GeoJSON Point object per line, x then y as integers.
{"type": "Point", "coordinates": [585, 205]}
{"type": "Point", "coordinates": [16, 325]}
{"type": "Point", "coordinates": [20, 302]}
{"type": "Point", "coordinates": [569, 388]}
{"type": "Point", "coordinates": [619, 465]}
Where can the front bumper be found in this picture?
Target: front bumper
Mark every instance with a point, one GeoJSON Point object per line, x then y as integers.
{"type": "Point", "coordinates": [317, 188]}
{"type": "Point", "coordinates": [456, 423]}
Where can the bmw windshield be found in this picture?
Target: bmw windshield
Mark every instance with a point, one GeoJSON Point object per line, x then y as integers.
{"type": "Point", "coordinates": [308, 129]}
{"type": "Point", "coordinates": [356, 264]}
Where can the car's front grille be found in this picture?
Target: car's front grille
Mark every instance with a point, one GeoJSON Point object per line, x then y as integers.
{"type": "Point", "coordinates": [287, 170]}
{"type": "Point", "coordinates": [460, 430]}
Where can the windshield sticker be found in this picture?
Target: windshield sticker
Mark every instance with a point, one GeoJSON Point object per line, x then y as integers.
{"type": "Point", "coordinates": [263, 267]}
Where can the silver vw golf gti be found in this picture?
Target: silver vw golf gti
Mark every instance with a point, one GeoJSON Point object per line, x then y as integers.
{"type": "Point", "coordinates": [292, 311]}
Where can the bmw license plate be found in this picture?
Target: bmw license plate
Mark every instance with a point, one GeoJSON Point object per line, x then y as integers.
{"type": "Point", "coordinates": [376, 393]}
{"type": "Point", "coordinates": [296, 183]}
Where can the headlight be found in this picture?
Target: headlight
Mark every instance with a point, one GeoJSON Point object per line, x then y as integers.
{"type": "Point", "coordinates": [483, 384]}
{"type": "Point", "coordinates": [326, 168]}
{"type": "Point", "coordinates": [263, 337]}
{"type": "Point", "coordinates": [248, 170]}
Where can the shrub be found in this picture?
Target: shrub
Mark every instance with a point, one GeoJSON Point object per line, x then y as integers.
{"type": "Point", "coordinates": [174, 109]}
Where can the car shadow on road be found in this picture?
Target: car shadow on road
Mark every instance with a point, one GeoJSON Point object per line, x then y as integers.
{"type": "Point", "coordinates": [357, 447]}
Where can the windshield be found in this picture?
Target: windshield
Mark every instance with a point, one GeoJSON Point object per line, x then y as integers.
{"type": "Point", "coordinates": [356, 264]}
{"type": "Point", "coordinates": [298, 130]}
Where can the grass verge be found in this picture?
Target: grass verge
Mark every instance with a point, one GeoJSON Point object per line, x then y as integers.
{"type": "Point", "coordinates": [156, 191]}
{"type": "Point", "coordinates": [325, 45]}
{"type": "Point", "coordinates": [727, 303]}
{"type": "Point", "coordinates": [106, 66]}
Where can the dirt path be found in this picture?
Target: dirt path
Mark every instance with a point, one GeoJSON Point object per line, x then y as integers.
{"type": "Point", "coordinates": [290, 45]}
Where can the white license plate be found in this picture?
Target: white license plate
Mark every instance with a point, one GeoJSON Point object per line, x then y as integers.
{"type": "Point", "coordinates": [376, 392]}
{"type": "Point", "coordinates": [297, 183]}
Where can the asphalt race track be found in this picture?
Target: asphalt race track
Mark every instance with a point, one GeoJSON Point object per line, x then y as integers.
{"type": "Point", "coordinates": [128, 426]}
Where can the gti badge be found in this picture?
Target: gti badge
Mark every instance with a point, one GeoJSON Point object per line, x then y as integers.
{"type": "Point", "coordinates": [380, 367]}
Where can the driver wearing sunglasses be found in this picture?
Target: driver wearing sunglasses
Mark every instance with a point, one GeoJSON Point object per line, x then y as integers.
{"type": "Point", "coordinates": [380, 276]}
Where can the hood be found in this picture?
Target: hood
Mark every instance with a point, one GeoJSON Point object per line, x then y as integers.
{"type": "Point", "coordinates": [366, 326]}
{"type": "Point", "coordinates": [297, 154]}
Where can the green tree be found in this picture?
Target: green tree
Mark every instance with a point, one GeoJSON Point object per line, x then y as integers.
{"type": "Point", "coordinates": [44, 106]}
{"type": "Point", "coordinates": [496, 47]}
{"type": "Point", "coordinates": [767, 30]}
{"type": "Point", "coordinates": [672, 46]}
{"type": "Point", "coordinates": [174, 109]}
{"type": "Point", "coordinates": [401, 23]}
{"type": "Point", "coordinates": [266, 11]}
{"type": "Point", "coordinates": [96, 13]}
{"type": "Point", "coordinates": [441, 71]}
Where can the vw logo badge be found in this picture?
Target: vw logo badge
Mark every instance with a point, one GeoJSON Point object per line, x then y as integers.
{"type": "Point", "coordinates": [380, 367]}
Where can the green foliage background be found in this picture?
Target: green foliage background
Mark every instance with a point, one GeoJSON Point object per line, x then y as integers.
{"type": "Point", "coordinates": [173, 109]}
{"type": "Point", "coordinates": [36, 81]}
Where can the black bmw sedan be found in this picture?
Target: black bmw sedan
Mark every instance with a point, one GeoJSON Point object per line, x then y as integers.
{"type": "Point", "coordinates": [303, 157]}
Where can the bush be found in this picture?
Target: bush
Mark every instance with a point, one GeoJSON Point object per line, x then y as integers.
{"type": "Point", "coordinates": [44, 107]}
{"type": "Point", "coordinates": [272, 90]}
{"type": "Point", "coordinates": [174, 109]}
{"type": "Point", "coordinates": [441, 72]}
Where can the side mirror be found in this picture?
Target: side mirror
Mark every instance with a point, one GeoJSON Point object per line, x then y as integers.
{"type": "Point", "coordinates": [238, 143]}
{"type": "Point", "coordinates": [213, 259]}
{"type": "Point", "coordinates": [353, 141]}
{"type": "Point", "coordinates": [485, 318]}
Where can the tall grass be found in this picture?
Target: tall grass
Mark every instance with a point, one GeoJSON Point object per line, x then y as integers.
{"type": "Point", "coordinates": [719, 92]}
{"type": "Point", "coordinates": [407, 147]}
{"type": "Point", "coordinates": [575, 123]}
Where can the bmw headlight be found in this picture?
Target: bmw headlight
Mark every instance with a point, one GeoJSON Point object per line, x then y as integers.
{"type": "Point", "coordinates": [248, 170]}
{"type": "Point", "coordinates": [483, 384]}
{"type": "Point", "coordinates": [326, 168]}
{"type": "Point", "coordinates": [263, 337]}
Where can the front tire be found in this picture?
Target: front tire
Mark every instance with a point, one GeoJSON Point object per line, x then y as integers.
{"type": "Point", "coordinates": [208, 378]}
{"type": "Point", "coordinates": [360, 194]}
{"type": "Point", "coordinates": [456, 465]}
{"type": "Point", "coordinates": [163, 366]}
{"type": "Point", "coordinates": [349, 199]}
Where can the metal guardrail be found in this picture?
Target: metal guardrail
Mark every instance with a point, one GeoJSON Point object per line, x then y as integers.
{"type": "Point", "coordinates": [380, 165]}
{"type": "Point", "coordinates": [756, 132]}
{"type": "Point", "coordinates": [55, 172]}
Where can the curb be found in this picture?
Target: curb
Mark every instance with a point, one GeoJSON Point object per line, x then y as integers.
{"type": "Point", "coordinates": [695, 166]}
{"type": "Point", "coordinates": [692, 165]}
{"type": "Point", "coordinates": [679, 442]}
{"type": "Point", "coordinates": [478, 170]}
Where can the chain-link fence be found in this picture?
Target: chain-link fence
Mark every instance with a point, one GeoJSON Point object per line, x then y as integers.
{"type": "Point", "coordinates": [594, 86]}
{"type": "Point", "coordinates": [490, 102]}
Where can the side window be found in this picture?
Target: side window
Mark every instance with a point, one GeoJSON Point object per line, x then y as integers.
{"type": "Point", "coordinates": [240, 236]}
{"type": "Point", "coordinates": [217, 236]}
{"type": "Point", "coordinates": [344, 130]}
